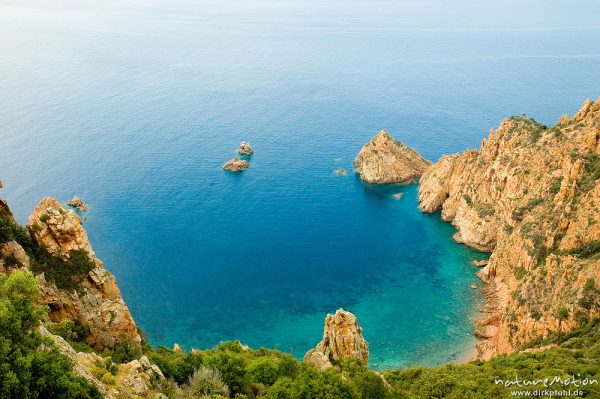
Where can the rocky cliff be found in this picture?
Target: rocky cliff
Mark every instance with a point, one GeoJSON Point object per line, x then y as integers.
{"type": "Point", "coordinates": [531, 196]}
{"type": "Point", "coordinates": [89, 295]}
{"type": "Point", "coordinates": [97, 303]}
{"type": "Point", "coordinates": [385, 160]}
{"type": "Point", "coordinates": [342, 339]}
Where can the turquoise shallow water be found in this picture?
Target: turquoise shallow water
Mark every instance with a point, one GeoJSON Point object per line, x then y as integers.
{"type": "Point", "coordinates": [136, 105]}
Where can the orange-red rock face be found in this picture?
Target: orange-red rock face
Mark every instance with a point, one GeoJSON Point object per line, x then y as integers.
{"type": "Point", "coordinates": [342, 339]}
{"type": "Point", "coordinates": [529, 195]}
{"type": "Point", "coordinates": [385, 160]}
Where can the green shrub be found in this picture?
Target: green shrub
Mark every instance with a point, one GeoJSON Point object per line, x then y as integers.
{"type": "Point", "coordinates": [484, 210]}
{"type": "Point", "coordinates": [519, 272]}
{"type": "Point", "coordinates": [26, 371]}
{"type": "Point", "coordinates": [590, 250]}
{"type": "Point", "coordinates": [65, 274]}
{"type": "Point", "coordinates": [125, 350]}
{"type": "Point", "coordinates": [555, 185]}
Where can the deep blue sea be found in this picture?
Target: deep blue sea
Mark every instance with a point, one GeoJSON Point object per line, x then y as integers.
{"type": "Point", "coordinates": [135, 106]}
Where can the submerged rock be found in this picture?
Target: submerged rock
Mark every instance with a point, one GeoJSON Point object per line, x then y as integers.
{"type": "Point", "coordinates": [397, 196]}
{"type": "Point", "coordinates": [78, 204]}
{"type": "Point", "coordinates": [385, 160]}
{"type": "Point", "coordinates": [245, 148]}
{"type": "Point", "coordinates": [342, 172]}
{"type": "Point", "coordinates": [342, 339]}
{"type": "Point", "coordinates": [236, 165]}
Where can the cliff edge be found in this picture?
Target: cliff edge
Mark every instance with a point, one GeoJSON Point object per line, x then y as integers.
{"type": "Point", "coordinates": [531, 196]}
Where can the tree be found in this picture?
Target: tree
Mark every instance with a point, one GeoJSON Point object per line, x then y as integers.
{"type": "Point", "coordinates": [30, 366]}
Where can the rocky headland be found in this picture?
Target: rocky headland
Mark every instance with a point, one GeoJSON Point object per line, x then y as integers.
{"type": "Point", "coordinates": [530, 196]}
{"type": "Point", "coordinates": [384, 160]}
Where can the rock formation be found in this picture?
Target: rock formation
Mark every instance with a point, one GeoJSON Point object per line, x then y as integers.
{"type": "Point", "coordinates": [342, 339]}
{"type": "Point", "coordinates": [531, 195]}
{"type": "Point", "coordinates": [245, 149]}
{"type": "Point", "coordinates": [136, 379]}
{"type": "Point", "coordinates": [97, 303]}
{"type": "Point", "coordinates": [341, 172]}
{"type": "Point", "coordinates": [58, 230]}
{"type": "Point", "coordinates": [236, 165]}
{"type": "Point", "coordinates": [78, 204]}
{"type": "Point", "coordinates": [385, 160]}
{"type": "Point", "coordinates": [480, 263]}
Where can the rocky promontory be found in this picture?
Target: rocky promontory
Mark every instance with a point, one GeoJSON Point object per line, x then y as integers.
{"type": "Point", "coordinates": [96, 303]}
{"type": "Point", "coordinates": [384, 160]}
{"type": "Point", "coordinates": [236, 165]}
{"type": "Point", "coordinates": [342, 339]}
{"type": "Point", "coordinates": [531, 196]}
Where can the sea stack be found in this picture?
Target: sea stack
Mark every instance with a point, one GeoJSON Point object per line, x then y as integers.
{"type": "Point", "coordinates": [342, 339]}
{"type": "Point", "coordinates": [245, 148]}
{"type": "Point", "coordinates": [78, 204]}
{"type": "Point", "coordinates": [384, 160]}
{"type": "Point", "coordinates": [236, 165]}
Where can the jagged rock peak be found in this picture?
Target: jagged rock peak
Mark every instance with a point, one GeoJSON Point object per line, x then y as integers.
{"type": "Point", "coordinates": [58, 229]}
{"type": "Point", "coordinates": [245, 148]}
{"type": "Point", "coordinates": [342, 339]}
{"type": "Point", "coordinates": [384, 160]}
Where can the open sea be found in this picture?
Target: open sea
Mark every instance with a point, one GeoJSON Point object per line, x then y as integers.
{"type": "Point", "coordinates": [135, 106]}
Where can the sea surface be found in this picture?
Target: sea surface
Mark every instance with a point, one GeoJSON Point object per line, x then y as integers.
{"type": "Point", "coordinates": [135, 106]}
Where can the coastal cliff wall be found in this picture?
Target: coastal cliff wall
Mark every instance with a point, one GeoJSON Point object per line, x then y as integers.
{"type": "Point", "coordinates": [530, 196]}
{"type": "Point", "coordinates": [73, 282]}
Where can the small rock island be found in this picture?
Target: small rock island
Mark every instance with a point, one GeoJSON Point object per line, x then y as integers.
{"type": "Point", "coordinates": [384, 160]}
{"type": "Point", "coordinates": [245, 148]}
{"type": "Point", "coordinates": [77, 203]}
{"type": "Point", "coordinates": [236, 165]}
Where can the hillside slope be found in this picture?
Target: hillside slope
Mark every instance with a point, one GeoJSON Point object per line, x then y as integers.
{"type": "Point", "coordinates": [531, 196]}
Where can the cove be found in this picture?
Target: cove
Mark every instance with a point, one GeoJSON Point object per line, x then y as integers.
{"type": "Point", "coordinates": [135, 108]}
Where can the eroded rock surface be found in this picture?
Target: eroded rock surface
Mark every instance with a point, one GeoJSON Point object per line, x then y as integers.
{"type": "Point", "coordinates": [342, 339]}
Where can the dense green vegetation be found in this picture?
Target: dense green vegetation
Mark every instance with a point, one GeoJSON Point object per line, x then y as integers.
{"type": "Point", "coordinates": [26, 371]}
{"type": "Point", "coordinates": [265, 373]}
{"type": "Point", "coordinates": [589, 250]}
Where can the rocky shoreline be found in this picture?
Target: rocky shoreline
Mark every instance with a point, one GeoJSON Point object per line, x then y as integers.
{"type": "Point", "coordinates": [531, 197]}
